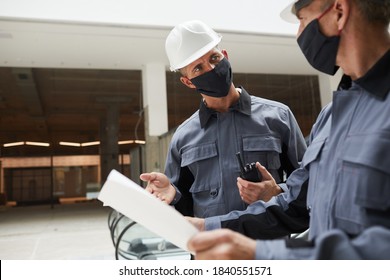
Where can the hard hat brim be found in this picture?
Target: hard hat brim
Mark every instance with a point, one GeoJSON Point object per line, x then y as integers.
{"type": "Point", "coordinates": [288, 15]}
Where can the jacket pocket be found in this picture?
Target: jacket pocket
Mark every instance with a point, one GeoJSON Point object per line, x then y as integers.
{"type": "Point", "coordinates": [206, 191]}
{"type": "Point", "coordinates": [208, 201]}
{"type": "Point", "coordinates": [364, 182]}
{"type": "Point", "coordinates": [262, 148]}
{"type": "Point", "coordinates": [202, 161]}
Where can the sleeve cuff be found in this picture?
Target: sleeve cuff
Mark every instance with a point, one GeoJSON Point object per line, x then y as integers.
{"type": "Point", "coordinates": [212, 223]}
{"type": "Point", "coordinates": [284, 187]}
{"type": "Point", "coordinates": [269, 249]}
{"type": "Point", "coordinates": [177, 196]}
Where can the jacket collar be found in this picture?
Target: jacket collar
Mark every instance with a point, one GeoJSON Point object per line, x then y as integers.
{"type": "Point", "coordinates": [243, 106]}
{"type": "Point", "coordinates": [377, 80]}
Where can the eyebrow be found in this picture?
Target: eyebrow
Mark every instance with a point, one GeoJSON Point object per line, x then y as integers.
{"type": "Point", "coordinates": [212, 53]}
{"type": "Point", "coordinates": [200, 64]}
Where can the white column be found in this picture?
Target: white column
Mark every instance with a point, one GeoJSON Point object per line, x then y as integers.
{"type": "Point", "coordinates": [155, 98]}
{"type": "Point", "coordinates": [328, 84]}
{"type": "Point", "coordinates": [155, 112]}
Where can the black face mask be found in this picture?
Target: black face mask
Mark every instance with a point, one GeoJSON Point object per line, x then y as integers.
{"type": "Point", "coordinates": [217, 82]}
{"type": "Point", "coordinates": [319, 50]}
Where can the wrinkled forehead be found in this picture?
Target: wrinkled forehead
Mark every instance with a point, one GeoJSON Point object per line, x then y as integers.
{"type": "Point", "coordinates": [299, 5]}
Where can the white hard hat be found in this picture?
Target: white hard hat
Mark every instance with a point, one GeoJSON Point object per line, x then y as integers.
{"type": "Point", "coordinates": [289, 13]}
{"type": "Point", "coordinates": [189, 41]}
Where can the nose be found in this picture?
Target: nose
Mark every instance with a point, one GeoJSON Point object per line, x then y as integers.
{"type": "Point", "coordinates": [208, 66]}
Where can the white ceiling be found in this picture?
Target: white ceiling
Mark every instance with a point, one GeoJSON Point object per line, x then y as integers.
{"type": "Point", "coordinates": [51, 35]}
{"type": "Point", "coordinates": [93, 46]}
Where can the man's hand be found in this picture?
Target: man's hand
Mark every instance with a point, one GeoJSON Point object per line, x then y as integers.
{"type": "Point", "coordinates": [159, 186]}
{"type": "Point", "coordinates": [197, 222]}
{"type": "Point", "coordinates": [222, 244]}
{"type": "Point", "coordinates": [264, 190]}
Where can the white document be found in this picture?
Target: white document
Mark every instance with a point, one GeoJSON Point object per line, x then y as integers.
{"type": "Point", "coordinates": [130, 199]}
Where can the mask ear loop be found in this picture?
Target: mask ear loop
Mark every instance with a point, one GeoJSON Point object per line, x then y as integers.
{"type": "Point", "coordinates": [324, 13]}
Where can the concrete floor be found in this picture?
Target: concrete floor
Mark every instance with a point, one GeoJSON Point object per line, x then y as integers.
{"type": "Point", "coordinates": [77, 231]}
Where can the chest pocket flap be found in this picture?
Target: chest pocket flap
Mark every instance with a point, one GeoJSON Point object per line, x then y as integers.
{"type": "Point", "coordinates": [313, 151]}
{"type": "Point", "coordinates": [197, 153]}
{"type": "Point", "coordinates": [261, 143]}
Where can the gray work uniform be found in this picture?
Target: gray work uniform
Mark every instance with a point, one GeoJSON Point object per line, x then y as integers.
{"type": "Point", "coordinates": [348, 194]}
{"type": "Point", "coordinates": [202, 161]}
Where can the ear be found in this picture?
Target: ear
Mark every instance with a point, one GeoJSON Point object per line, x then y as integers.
{"type": "Point", "coordinates": [225, 54]}
{"type": "Point", "coordinates": [187, 82]}
{"type": "Point", "coordinates": [343, 9]}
